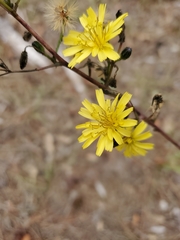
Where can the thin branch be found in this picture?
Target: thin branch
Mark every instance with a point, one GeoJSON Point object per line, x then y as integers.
{"type": "Point", "coordinates": [156, 128]}
{"type": "Point", "coordinates": [30, 70]}
{"type": "Point", "coordinates": [60, 59]}
{"type": "Point", "coordinates": [62, 62]}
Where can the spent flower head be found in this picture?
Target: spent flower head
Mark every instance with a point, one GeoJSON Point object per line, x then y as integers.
{"type": "Point", "coordinates": [61, 14]}
{"type": "Point", "coordinates": [108, 122]}
{"type": "Point", "coordinates": [132, 145]}
{"type": "Point", "coordinates": [95, 37]}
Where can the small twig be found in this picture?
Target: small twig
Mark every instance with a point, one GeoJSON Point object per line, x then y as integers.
{"type": "Point", "coordinates": [31, 70]}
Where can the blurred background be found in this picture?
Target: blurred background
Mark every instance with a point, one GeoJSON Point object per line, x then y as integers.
{"type": "Point", "coordinates": [52, 189]}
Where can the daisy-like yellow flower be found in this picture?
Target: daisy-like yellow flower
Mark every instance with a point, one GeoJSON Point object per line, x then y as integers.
{"type": "Point", "coordinates": [107, 122]}
{"type": "Point", "coordinates": [61, 14]}
{"type": "Point", "coordinates": [132, 145]}
{"type": "Point", "coordinates": [95, 37]}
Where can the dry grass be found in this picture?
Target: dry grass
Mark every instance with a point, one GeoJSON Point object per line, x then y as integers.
{"type": "Point", "coordinates": [50, 187]}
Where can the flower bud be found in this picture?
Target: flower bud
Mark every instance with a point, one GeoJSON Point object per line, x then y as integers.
{"type": "Point", "coordinates": [23, 59]}
{"type": "Point", "coordinates": [122, 36]}
{"type": "Point", "coordinates": [27, 36]}
{"type": "Point", "coordinates": [126, 53]}
{"type": "Point", "coordinates": [119, 13]}
{"type": "Point", "coordinates": [38, 47]}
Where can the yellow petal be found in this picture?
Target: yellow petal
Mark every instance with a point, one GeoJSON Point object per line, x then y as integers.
{"type": "Point", "coordinates": [143, 136]}
{"type": "Point", "coordinates": [102, 10]}
{"type": "Point", "coordinates": [147, 146]}
{"type": "Point", "coordinates": [100, 146]}
{"type": "Point", "coordinates": [125, 99]}
{"type": "Point", "coordinates": [88, 142]}
{"type": "Point", "coordinates": [117, 137]}
{"type": "Point", "coordinates": [72, 50]}
{"type": "Point", "coordinates": [100, 98]}
{"type": "Point", "coordinates": [140, 128]}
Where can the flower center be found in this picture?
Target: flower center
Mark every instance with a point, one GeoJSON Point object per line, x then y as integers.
{"type": "Point", "coordinates": [128, 140]}
{"type": "Point", "coordinates": [62, 13]}
{"type": "Point", "coordinates": [107, 119]}
{"type": "Point", "coordinates": [93, 36]}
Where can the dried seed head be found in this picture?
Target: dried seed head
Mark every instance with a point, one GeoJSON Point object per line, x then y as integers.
{"type": "Point", "coordinates": [157, 103]}
{"type": "Point", "coordinates": [61, 14]}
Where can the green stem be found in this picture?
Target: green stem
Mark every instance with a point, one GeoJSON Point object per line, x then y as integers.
{"type": "Point", "coordinates": [59, 41]}
{"type": "Point", "coordinates": [16, 5]}
{"type": "Point", "coordinates": [119, 48]}
{"type": "Point", "coordinates": [110, 68]}
{"type": "Point", "coordinates": [6, 7]}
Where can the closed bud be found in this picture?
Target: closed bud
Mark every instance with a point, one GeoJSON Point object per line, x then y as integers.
{"type": "Point", "coordinates": [126, 53]}
{"type": "Point", "coordinates": [27, 36]}
{"type": "Point", "coordinates": [122, 36]}
{"type": "Point", "coordinates": [38, 47]}
{"type": "Point", "coordinates": [23, 59]}
{"type": "Point", "coordinates": [119, 13]}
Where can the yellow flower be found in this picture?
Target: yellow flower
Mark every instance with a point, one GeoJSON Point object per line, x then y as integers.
{"type": "Point", "coordinates": [95, 37]}
{"type": "Point", "coordinates": [132, 145]}
{"type": "Point", "coordinates": [107, 123]}
{"type": "Point", "coordinates": [61, 14]}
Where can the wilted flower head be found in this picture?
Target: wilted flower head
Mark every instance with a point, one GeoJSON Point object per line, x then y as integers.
{"type": "Point", "coordinates": [95, 37]}
{"type": "Point", "coordinates": [61, 14]}
{"type": "Point", "coordinates": [108, 122]}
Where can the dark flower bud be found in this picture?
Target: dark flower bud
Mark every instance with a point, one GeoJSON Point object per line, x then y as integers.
{"type": "Point", "coordinates": [113, 83]}
{"type": "Point", "coordinates": [119, 13]}
{"type": "Point", "coordinates": [122, 36]}
{"type": "Point", "coordinates": [27, 36]}
{"type": "Point", "coordinates": [38, 47]}
{"type": "Point", "coordinates": [23, 59]}
{"type": "Point", "coordinates": [126, 53]}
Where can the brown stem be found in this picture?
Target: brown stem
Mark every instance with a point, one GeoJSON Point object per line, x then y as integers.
{"type": "Point", "coordinates": [31, 70]}
{"type": "Point", "coordinates": [93, 81]}
{"type": "Point", "coordinates": [60, 59]}
{"type": "Point", "coordinates": [156, 128]}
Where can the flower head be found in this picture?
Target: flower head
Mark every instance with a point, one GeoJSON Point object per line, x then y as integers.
{"type": "Point", "coordinates": [107, 122]}
{"type": "Point", "coordinates": [95, 37]}
{"type": "Point", "coordinates": [61, 14]}
{"type": "Point", "coordinates": [132, 145]}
